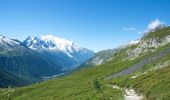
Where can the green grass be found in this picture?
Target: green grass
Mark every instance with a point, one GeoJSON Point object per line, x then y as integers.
{"type": "Point", "coordinates": [158, 34]}
{"type": "Point", "coordinates": [89, 84]}
{"type": "Point", "coordinates": [154, 85]}
{"type": "Point", "coordinates": [77, 86]}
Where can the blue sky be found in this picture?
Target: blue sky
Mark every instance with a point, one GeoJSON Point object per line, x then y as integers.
{"type": "Point", "coordinates": [94, 24]}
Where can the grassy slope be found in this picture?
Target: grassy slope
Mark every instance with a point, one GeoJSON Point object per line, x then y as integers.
{"type": "Point", "coordinates": [79, 85]}
{"type": "Point", "coordinates": [158, 34]}
{"type": "Point", "coordinates": [76, 86]}
{"type": "Point", "coordinates": [155, 85]}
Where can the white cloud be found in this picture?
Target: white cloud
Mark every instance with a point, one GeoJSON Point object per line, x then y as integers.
{"type": "Point", "coordinates": [140, 32]}
{"type": "Point", "coordinates": [129, 29]}
{"type": "Point", "coordinates": [155, 24]}
{"type": "Point", "coordinates": [152, 26]}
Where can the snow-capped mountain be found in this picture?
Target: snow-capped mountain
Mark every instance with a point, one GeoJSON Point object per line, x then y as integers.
{"type": "Point", "coordinates": [6, 43]}
{"type": "Point", "coordinates": [15, 60]}
{"type": "Point", "coordinates": [49, 56]}
{"type": "Point", "coordinates": [50, 42]}
{"type": "Point", "coordinates": [64, 52]}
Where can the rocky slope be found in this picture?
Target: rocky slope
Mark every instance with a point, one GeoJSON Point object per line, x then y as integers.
{"type": "Point", "coordinates": [147, 74]}
{"type": "Point", "coordinates": [104, 56]}
{"type": "Point", "coordinates": [155, 38]}
{"type": "Point", "coordinates": [151, 42]}
{"type": "Point", "coordinates": [100, 57]}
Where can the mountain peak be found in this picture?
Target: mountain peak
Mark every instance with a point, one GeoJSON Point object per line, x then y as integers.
{"type": "Point", "coordinates": [8, 43]}
{"type": "Point", "coordinates": [65, 52]}
{"type": "Point", "coordinates": [52, 43]}
{"type": "Point", "coordinates": [55, 39]}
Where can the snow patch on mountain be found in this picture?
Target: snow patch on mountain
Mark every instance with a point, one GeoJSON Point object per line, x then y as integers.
{"type": "Point", "coordinates": [7, 44]}
{"type": "Point", "coordinates": [63, 52]}
{"type": "Point", "coordinates": [7, 41]}
{"type": "Point", "coordinates": [52, 43]}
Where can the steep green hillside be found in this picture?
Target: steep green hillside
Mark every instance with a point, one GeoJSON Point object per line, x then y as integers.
{"type": "Point", "coordinates": [84, 84]}
{"type": "Point", "coordinates": [158, 34]}
{"type": "Point", "coordinates": [26, 63]}
{"type": "Point", "coordinates": [7, 79]}
{"type": "Point", "coordinates": [155, 85]}
{"type": "Point", "coordinates": [79, 85]}
{"type": "Point", "coordinates": [18, 61]}
{"type": "Point", "coordinates": [150, 78]}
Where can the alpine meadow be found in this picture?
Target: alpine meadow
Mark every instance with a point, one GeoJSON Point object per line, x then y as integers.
{"type": "Point", "coordinates": [84, 50]}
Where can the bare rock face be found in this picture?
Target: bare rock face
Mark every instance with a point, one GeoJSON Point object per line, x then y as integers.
{"type": "Point", "coordinates": [97, 61]}
{"type": "Point", "coordinates": [148, 45]}
{"type": "Point", "coordinates": [101, 57]}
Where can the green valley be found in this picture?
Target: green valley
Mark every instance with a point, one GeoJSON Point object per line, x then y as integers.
{"type": "Point", "coordinates": [152, 79]}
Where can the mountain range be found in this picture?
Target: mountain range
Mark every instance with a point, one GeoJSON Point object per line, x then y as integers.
{"type": "Point", "coordinates": [135, 71]}
{"type": "Point", "coordinates": [139, 69]}
{"type": "Point", "coordinates": [35, 59]}
{"type": "Point", "coordinates": [64, 53]}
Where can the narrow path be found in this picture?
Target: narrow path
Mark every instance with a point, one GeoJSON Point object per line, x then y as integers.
{"type": "Point", "coordinates": [130, 94]}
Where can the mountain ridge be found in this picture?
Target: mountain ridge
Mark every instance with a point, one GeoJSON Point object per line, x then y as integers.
{"type": "Point", "coordinates": [151, 80]}
{"type": "Point", "coordinates": [45, 61]}
{"type": "Point", "coordinates": [61, 50]}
